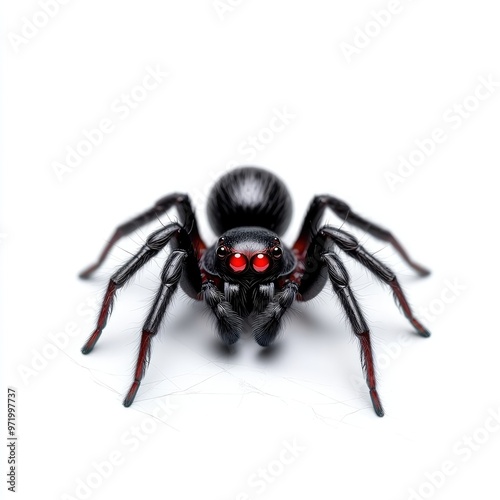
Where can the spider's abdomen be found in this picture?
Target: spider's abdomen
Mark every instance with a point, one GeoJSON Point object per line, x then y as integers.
{"type": "Point", "coordinates": [249, 196]}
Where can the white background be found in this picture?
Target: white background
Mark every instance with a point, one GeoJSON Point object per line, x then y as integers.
{"type": "Point", "coordinates": [232, 412]}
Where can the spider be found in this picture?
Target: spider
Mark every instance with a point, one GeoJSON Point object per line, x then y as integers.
{"type": "Point", "coordinates": [249, 272]}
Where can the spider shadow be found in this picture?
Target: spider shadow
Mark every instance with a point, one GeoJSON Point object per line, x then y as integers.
{"type": "Point", "coordinates": [270, 352]}
{"type": "Point", "coordinates": [195, 326]}
{"type": "Point", "coordinates": [221, 350]}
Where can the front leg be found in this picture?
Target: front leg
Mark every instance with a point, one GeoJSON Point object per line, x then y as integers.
{"type": "Point", "coordinates": [262, 295]}
{"type": "Point", "coordinates": [154, 243]}
{"type": "Point", "coordinates": [229, 324]}
{"type": "Point", "coordinates": [350, 245]}
{"type": "Point", "coordinates": [268, 323]}
{"type": "Point", "coordinates": [340, 284]}
{"type": "Point", "coordinates": [170, 278]}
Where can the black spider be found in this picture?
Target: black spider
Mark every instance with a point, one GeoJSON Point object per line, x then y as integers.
{"type": "Point", "coordinates": [249, 271]}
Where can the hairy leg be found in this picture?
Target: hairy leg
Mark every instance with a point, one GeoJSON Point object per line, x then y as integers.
{"type": "Point", "coordinates": [229, 324]}
{"type": "Point", "coordinates": [268, 323]}
{"type": "Point", "coordinates": [188, 220]}
{"type": "Point", "coordinates": [339, 279]}
{"type": "Point", "coordinates": [350, 245]}
{"type": "Point", "coordinates": [154, 243]}
{"type": "Point", "coordinates": [170, 278]}
{"type": "Point", "coordinates": [342, 210]}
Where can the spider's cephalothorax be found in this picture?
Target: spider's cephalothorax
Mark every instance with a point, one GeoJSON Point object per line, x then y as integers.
{"type": "Point", "coordinates": [249, 260]}
{"type": "Point", "coordinates": [248, 271]}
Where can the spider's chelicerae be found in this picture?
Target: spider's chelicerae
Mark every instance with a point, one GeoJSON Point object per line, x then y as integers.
{"type": "Point", "coordinates": [249, 272]}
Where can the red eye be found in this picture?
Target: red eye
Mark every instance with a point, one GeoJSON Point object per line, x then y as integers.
{"type": "Point", "coordinates": [261, 262]}
{"type": "Point", "coordinates": [238, 262]}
